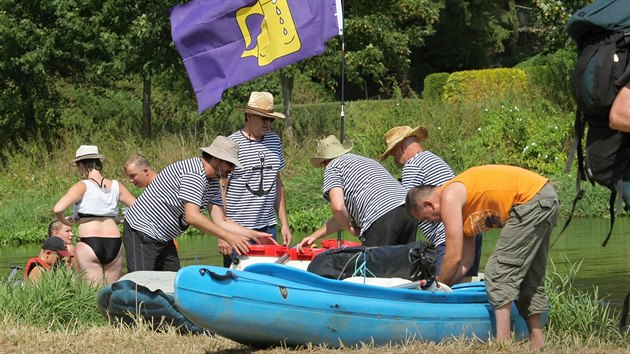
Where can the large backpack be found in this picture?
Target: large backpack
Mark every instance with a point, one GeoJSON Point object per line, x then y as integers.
{"type": "Point", "coordinates": [601, 31]}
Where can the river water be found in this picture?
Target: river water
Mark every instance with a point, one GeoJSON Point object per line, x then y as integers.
{"type": "Point", "coordinates": [607, 268]}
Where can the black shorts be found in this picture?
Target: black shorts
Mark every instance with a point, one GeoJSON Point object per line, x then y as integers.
{"type": "Point", "coordinates": [142, 252]}
{"type": "Point", "coordinates": [395, 227]}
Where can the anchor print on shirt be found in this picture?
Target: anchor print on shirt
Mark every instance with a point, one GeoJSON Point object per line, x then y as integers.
{"type": "Point", "coordinates": [260, 192]}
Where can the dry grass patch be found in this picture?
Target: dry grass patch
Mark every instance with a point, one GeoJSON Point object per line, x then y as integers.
{"type": "Point", "coordinates": [140, 339]}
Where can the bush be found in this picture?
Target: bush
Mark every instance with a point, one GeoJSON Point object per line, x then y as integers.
{"type": "Point", "coordinates": [550, 76]}
{"type": "Point", "coordinates": [434, 86]}
{"type": "Point", "coordinates": [473, 85]}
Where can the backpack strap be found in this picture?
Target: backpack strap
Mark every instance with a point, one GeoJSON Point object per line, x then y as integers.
{"type": "Point", "coordinates": [624, 312]}
{"type": "Point", "coordinates": [580, 125]}
{"type": "Point", "coordinates": [611, 209]}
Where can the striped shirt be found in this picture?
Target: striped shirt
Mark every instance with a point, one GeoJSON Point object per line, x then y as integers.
{"type": "Point", "coordinates": [425, 168]}
{"type": "Point", "coordinates": [369, 189]}
{"type": "Point", "coordinates": [251, 194]}
{"type": "Point", "coordinates": [159, 211]}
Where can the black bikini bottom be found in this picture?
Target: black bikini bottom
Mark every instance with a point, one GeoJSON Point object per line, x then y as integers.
{"type": "Point", "coordinates": [105, 248]}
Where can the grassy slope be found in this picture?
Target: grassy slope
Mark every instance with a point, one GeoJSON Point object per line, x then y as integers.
{"type": "Point", "coordinates": [32, 180]}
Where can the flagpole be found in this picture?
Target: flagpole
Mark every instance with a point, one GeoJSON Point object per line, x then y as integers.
{"type": "Point", "coordinates": [342, 127]}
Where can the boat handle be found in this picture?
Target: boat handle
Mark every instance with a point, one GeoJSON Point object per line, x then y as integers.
{"type": "Point", "coordinates": [216, 276]}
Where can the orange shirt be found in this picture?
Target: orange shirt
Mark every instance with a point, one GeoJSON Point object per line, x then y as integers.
{"type": "Point", "coordinates": [491, 191]}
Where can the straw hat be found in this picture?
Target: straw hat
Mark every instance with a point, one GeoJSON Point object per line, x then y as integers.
{"type": "Point", "coordinates": [329, 148]}
{"type": "Point", "coordinates": [397, 134]}
{"type": "Point", "coordinates": [223, 149]}
{"type": "Point", "coordinates": [261, 104]}
{"type": "Point", "coordinates": [87, 152]}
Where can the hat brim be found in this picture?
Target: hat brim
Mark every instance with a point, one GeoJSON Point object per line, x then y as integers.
{"type": "Point", "coordinates": [316, 161]}
{"type": "Point", "coordinates": [64, 253]}
{"type": "Point", "coordinates": [221, 155]}
{"type": "Point", "coordinates": [88, 157]}
{"type": "Point", "coordinates": [260, 113]}
{"type": "Point", "coordinates": [419, 132]}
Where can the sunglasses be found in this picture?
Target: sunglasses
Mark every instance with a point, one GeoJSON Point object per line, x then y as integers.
{"type": "Point", "coordinates": [267, 119]}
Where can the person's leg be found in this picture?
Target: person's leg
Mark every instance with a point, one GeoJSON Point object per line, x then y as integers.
{"type": "Point", "coordinates": [474, 268]}
{"type": "Point", "coordinates": [502, 316]}
{"type": "Point", "coordinates": [440, 250]}
{"type": "Point", "coordinates": [168, 258]}
{"type": "Point", "coordinates": [532, 300]}
{"type": "Point", "coordinates": [505, 269]}
{"type": "Point", "coordinates": [536, 336]}
{"type": "Point", "coordinates": [89, 264]}
{"type": "Point", "coordinates": [113, 270]}
{"type": "Point", "coordinates": [143, 253]}
{"type": "Point", "coordinates": [110, 256]}
{"type": "Point", "coordinates": [518, 255]}
{"type": "Point", "coordinates": [133, 247]}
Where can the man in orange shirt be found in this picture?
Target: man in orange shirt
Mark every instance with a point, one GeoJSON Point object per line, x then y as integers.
{"type": "Point", "coordinates": [522, 203]}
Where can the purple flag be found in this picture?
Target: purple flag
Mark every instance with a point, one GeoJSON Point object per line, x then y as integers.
{"type": "Point", "coordinates": [226, 42]}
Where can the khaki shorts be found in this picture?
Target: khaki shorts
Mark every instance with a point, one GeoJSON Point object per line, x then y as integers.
{"type": "Point", "coordinates": [516, 269]}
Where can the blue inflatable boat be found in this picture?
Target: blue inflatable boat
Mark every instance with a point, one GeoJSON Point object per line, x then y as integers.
{"type": "Point", "coordinates": [271, 304]}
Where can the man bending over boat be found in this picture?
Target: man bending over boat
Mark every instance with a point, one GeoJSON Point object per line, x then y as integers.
{"type": "Point", "coordinates": [522, 203]}
{"type": "Point", "coordinates": [175, 200]}
{"type": "Point", "coordinates": [366, 200]}
{"type": "Point", "coordinates": [421, 167]}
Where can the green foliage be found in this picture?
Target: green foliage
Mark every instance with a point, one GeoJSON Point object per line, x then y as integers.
{"type": "Point", "coordinates": [434, 86]}
{"type": "Point", "coordinates": [61, 300]}
{"type": "Point", "coordinates": [316, 120]}
{"type": "Point", "coordinates": [525, 130]}
{"type": "Point", "coordinates": [380, 37]}
{"type": "Point", "coordinates": [553, 16]}
{"type": "Point", "coordinates": [593, 203]}
{"type": "Point", "coordinates": [474, 85]}
{"type": "Point", "coordinates": [578, 313]}
{"type": "Point", "coordinates": [525, 136]}
{"type": "Point", "coordinates": [550, 76]}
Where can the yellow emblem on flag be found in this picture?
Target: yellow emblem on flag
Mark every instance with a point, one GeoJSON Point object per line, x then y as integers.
{"type": "Point", "coordinates": [278, 36]}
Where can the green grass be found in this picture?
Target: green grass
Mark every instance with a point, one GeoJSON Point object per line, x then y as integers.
{"type": "Point", "coordinates": [582, 314]}
{"type": "Point", "coordinates": [61, 300]}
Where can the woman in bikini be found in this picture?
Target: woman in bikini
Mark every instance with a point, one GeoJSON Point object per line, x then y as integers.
{"type": "Point", "coordinates": [95, 200]}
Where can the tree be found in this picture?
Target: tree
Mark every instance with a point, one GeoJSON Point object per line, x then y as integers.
{"type": "Point", "coordinates": [380, 36]}
{"type": "Point", "coordinates": [139, 42]}
{"type": "Point", "coordinates": [40, 43]}
{"type": "Point", "coordinates": [552, 16]}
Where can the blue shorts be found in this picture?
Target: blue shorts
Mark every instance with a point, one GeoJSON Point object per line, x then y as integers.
{"type": "Point", "coordinates": [474, 269]}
